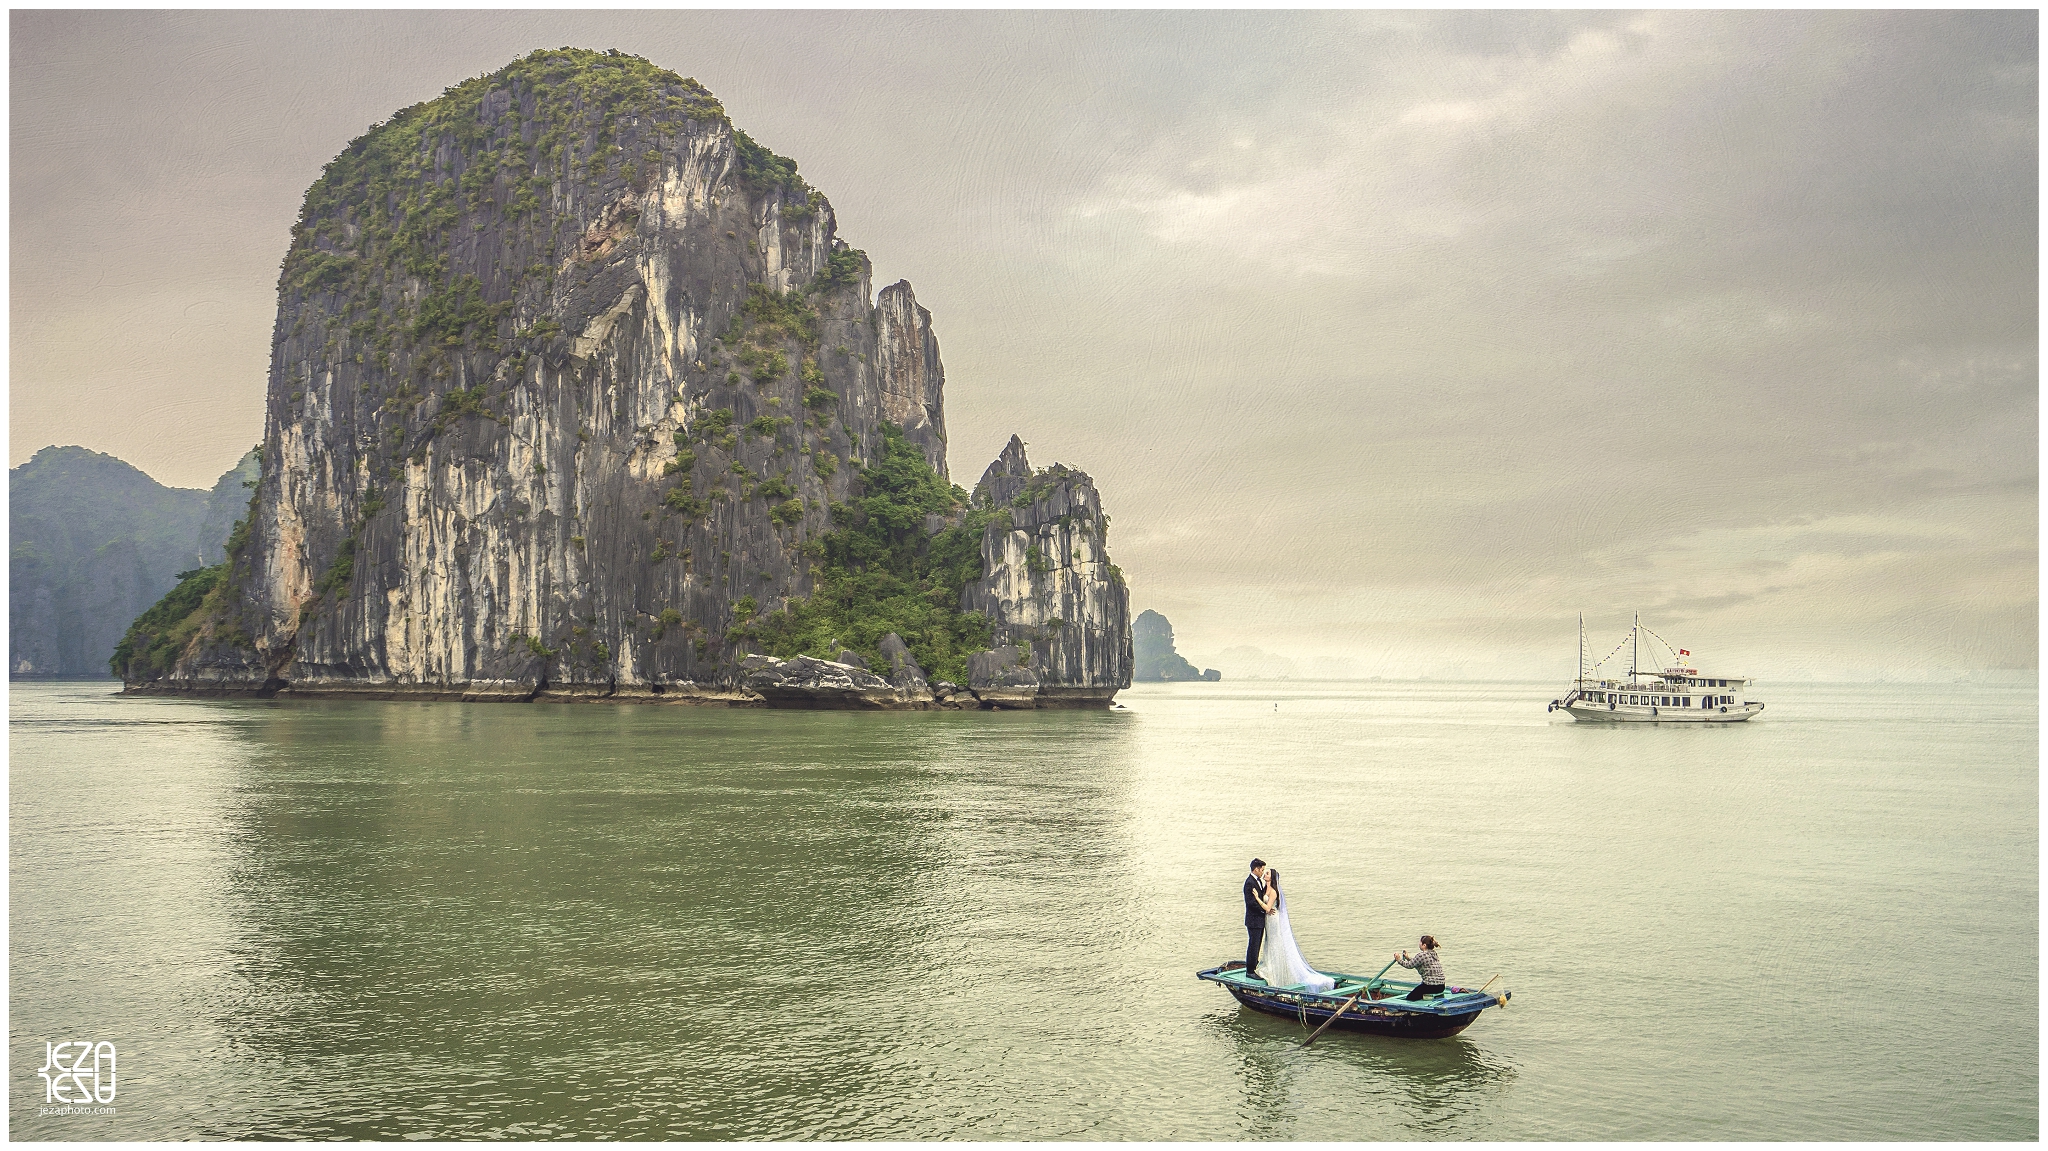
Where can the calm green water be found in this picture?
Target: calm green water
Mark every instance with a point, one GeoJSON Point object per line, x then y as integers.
{"type": "Point", "coordinates": [313, 920]}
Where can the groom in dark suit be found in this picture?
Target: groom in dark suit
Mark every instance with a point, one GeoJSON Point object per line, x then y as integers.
{"type": "Point", "coordinates": [1254, 915]}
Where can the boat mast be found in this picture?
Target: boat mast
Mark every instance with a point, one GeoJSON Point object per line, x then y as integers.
{"type": "Point", "coordinates": [1582, 647]}
{"type": "Point", "coordinates": [1635, 644]}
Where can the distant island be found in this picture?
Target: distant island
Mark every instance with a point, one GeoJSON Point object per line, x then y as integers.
{"type": "Point", "coordinates": [93, 542]}
{"type": "Point", "coordinates": [1156, 660]}
{"type": "Point", "coordinates": [576, 393]}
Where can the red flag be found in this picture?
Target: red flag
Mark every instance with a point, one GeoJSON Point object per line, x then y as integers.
{"type": "Point", "coordinates": [1682, 651]}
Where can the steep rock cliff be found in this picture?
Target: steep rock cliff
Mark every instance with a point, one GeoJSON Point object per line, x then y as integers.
{"type": "Point", "coordinates": [913, 381]}
{"type": "Point", "coordinates": [1049, 589]}
{"type": "Point", "coordinates": [570, 383]}
{"type": "Point", "coordinates": [228, 504]}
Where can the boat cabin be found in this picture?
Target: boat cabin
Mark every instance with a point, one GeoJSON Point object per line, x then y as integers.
{"type": "Point", "coordinates": [1679, 692]}
{"type": "Point", "coordinates": [1679, 687]}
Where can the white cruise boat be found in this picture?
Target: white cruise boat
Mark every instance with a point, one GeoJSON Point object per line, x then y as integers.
{"type": "Point", "coordinates": [1679, 693]}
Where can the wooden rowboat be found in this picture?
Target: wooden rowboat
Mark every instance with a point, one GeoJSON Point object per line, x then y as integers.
{"type": "Point", "coordinates": [1382, 1010]}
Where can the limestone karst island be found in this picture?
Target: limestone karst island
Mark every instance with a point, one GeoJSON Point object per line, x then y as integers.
{"type": "Point", "coordinates": [575, 393]}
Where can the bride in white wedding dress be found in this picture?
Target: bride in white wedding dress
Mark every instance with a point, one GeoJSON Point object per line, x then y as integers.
{"type": "Point", "coordinates": [1280, 961]}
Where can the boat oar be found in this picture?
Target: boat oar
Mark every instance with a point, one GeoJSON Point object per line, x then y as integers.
{"type": "Point", "coordinates": [1348, 1003]}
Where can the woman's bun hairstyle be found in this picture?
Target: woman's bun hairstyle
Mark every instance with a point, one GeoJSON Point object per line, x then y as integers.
{"type": "Point", "coordinates": [1429, 941]}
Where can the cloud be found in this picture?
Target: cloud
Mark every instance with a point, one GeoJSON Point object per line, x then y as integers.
{"type": "Point", "coordinates": [1390, 337]}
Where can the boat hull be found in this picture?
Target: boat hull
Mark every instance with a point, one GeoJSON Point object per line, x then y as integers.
{"type": "Point", "coordinates": [1368, 1018]}
{"type": "Point", "coordinates": [1387, 1012]}
{"type": "Point", "coordinates": [1637, 713]}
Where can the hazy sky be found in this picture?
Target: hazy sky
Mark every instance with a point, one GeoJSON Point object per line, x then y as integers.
{"type": "Point", "coordinates": [1390, 338]}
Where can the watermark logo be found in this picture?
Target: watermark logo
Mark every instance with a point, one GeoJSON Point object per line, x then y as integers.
{"type": "Point", "coordinates": [78, 1072]}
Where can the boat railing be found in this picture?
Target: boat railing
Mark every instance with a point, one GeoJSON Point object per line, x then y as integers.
{"type": "Point", "coordinates": [1656, 683]}
{"type": "Point", "coordinates": [1454, 1000]}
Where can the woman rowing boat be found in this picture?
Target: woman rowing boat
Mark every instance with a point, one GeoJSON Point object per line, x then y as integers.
{"type": "Point", "coordinates": [1427, 966]}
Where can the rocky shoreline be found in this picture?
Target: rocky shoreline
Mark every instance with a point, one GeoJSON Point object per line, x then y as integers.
{"type": "Point", "coordinates": [1002, 683]}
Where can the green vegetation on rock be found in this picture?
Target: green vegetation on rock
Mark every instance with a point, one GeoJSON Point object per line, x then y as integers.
{"type": "Point", "coordinates": [842, 267]}
{"type": "Point", "coordinates": [762, 170]}
{"type": "Point", "coordinates": [1040, 485]}
{"type": "Point", "coordinates": [491, 158]}
{"type": "Point", "coordinates": [387, 192]}
{"type": "Point", "coordinates": [877, 571]}
{"type": "Point", "coordinates": [159, 635]}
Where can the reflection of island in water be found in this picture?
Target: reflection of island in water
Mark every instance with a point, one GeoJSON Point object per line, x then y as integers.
{"type": "Point", "coordinates": [466, 922]}
{"type": "Point", "coordinates": [1372, 1086]}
